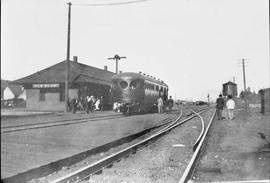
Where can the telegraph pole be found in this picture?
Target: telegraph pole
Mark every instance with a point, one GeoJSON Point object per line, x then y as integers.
{"type": "Point", "coordinates": [116, 58]}
{"type": "Point", "coordinates": [68, 59]}
{"type": "Point", "coordinates": [244, 76]}
{"type": "Point", "coordinates": [208, 101]}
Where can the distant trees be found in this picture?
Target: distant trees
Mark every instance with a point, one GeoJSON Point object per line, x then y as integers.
{"type": "Point", "coordinates": [252, 97]}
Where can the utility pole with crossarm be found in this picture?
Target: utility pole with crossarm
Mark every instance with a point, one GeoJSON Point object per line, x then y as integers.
{"type": "Point", "coordinates": [116, 58]}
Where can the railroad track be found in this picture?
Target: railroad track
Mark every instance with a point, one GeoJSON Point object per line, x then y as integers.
{"type": "Point", "coordinates": [97, 167]}
{"type": "Point", "coordinates": [71, 160]}
{"type": "Point", "coordinates": [47, 124]}
{"type": "Point", "coordinates": [198, 149]}
{"type": "Point", "coordinates": [14, 128]}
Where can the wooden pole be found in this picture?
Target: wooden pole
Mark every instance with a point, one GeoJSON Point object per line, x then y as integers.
{"type": "Point", "coordinates": [68, 59]}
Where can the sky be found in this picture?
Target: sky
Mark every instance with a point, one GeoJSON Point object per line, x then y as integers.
{"type": "Point", "coordinates": [193, 45]}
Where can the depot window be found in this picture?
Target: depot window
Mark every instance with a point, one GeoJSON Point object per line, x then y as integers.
{"type": "Point", "coordinates": [123, 84]}
{"type": "Point", "coordinates": [42, 95]}
{"type": "Point", "coordinates": [62, 96]}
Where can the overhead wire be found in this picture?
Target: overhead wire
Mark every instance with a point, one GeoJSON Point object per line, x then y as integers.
{"type": "Point", "coordinates": [109, 4]}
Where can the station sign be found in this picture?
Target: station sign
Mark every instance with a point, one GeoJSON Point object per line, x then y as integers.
{"type": "Point", "coordinates": [49, 85]}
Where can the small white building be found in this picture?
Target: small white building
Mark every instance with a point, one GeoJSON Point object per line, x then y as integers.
{"type": "Point", "coordinates": [8, 94]}
{"type": "Point", "coordinates": [11, 92]}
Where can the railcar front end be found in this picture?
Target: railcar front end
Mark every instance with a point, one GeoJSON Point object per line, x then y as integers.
{"type": "Point", "coordinates": [128, 93]}
{"type": "Point", "coordinates": [136, 93]}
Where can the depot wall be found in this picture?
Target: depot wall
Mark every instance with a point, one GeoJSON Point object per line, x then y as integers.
{"type": "Point", "coordinates": [51, 102]}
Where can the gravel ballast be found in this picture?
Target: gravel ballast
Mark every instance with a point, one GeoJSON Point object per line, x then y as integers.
{"type": "Point", "coordinates": [162, 161]}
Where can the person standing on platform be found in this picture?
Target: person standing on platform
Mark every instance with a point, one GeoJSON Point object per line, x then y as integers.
{"type": "Point", "coordinates": [160, 104]}
{"type": "Point", "coordinates": [87, 104]}
{"type": "Point", "coordinates": [101, 103]}
{"type": "Point", "coordinates": [170, 103]}
{"type": "Point", "coordinates": [91, 103]}
{"type": "Point", "coordinates": [97, 104]}
{"type": "Point", "coordinates": [230, 106]}
{"type": "Point", "coordinates": [73, 105]}
{"type": "Point", "coordinates": [219, 107]}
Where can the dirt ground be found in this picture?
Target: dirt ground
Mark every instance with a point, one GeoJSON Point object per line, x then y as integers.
{"type": "Point", "coordinates": [235, 151]}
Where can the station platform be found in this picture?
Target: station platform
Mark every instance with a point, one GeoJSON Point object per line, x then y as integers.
{"type": "Point", "coordinates": [21, 112]}
{"type": "Point", "coordinates": [236, 151]}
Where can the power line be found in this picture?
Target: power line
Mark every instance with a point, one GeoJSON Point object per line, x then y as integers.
{"type": "Point", "coordinates": [112, 4]}
{"type": "Point", "coordinates": [244, 78]}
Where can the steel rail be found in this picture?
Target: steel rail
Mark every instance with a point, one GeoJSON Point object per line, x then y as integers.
{"type": "Point", "coordinates": [57, 121]}
{"type": "Point", "coordinates": [193, 162]}
{"type": "Point", "coordinates": [202, 131]}
{"type": "Point", "coordinates": [171, 124]}
{"type": "Point", "coordinates": [52, 167]}
{"type": "Point", "coordinates": [53, 124]}
{"type": "Point", "coordinates": [243, 181]}
{"type": "Point", "coordinates": [85, 172]}
{"type": "Point", "coordinates": [12, 128]}
{"type": "Point", "coordinates": [176, 123]}
{"type": "Point", "coordinates": [179, 123]}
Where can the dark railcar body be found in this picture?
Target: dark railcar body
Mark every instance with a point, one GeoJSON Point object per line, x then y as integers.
{"type": "Point", "coordinates": [136, 92]}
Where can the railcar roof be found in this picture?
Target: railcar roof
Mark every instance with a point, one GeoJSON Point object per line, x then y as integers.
{"type": "Point", "coordinates": [140, 76]}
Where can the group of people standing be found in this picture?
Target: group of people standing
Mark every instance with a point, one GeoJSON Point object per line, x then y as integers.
{"type": "Point", "coordinates": [230, 105]}
{"type": "Point", "coordinates": [160, 104]}
{"type": "Point", "coordinates": [88, 104]}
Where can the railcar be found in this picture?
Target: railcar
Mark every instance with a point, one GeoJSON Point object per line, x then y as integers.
{"type": "Point", "coordinates": [137, 92]}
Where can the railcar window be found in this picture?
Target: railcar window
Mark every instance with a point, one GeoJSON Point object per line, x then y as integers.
{"type": "Point", "coordinates": [114, 84]}
{"type": "Point", "coordinates": [146, 85]}
{"type": "Point", "coordinates": [123, 84]}
{"type": "Point", "coordinates": [133, 84]}
{"type": "Point", "coordinates": [157, 88]}
{"type": "Point", "coordinates": [161, 89]}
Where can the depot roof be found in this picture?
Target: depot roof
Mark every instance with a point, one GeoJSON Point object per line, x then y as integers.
{"type": "Point", "coordinates": [78, 73]}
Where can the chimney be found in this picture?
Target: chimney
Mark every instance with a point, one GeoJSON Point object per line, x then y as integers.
{"type": "Point", "coordinates": [75, 59]}
{"type": "Point", "coordinates": [105, 67]}
{"type": "Point", "coordinates": [120, 72]}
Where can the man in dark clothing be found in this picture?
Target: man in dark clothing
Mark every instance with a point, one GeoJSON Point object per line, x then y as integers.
{"type": "Point", "coordinates": [73, 105]}
{"type": "Point", "coordinates": [219, 107]}
{"type": "Point", "coordinates": [170, 103]}
{"type": "Point", "coordinates": [101, 104]}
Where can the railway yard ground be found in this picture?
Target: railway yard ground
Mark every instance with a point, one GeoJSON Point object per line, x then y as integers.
{"type": "Point", "coordinates": [234, 150]}
{"type": "Point", "coordinates": [23, 150]}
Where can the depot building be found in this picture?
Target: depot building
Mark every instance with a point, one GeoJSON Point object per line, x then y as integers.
{"type": "Point", "coordinates": [45, 89]}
